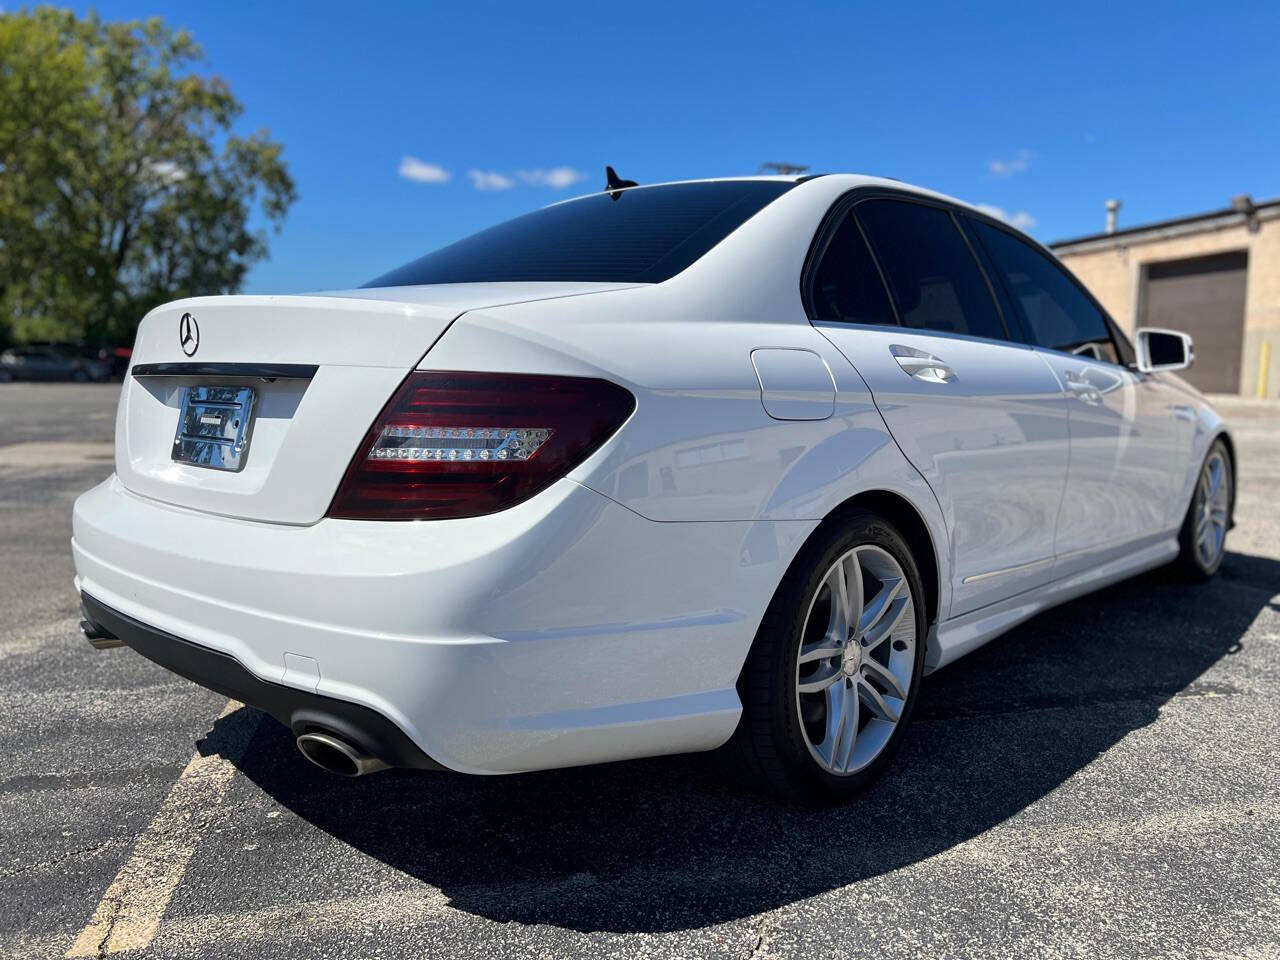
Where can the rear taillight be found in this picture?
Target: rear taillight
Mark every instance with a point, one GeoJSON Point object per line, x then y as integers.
{"type": "Point", "coordinates": [465, 444]}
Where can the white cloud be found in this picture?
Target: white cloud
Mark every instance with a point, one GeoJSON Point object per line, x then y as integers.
{"type": "Point", "coordinates": [1015, 165]}
{"type": "Point", "coordinates": [557, 177]}
{"type": "Point", "coordinates": [490, 180]}
{"type": "Point", "coordinates": [1020, 219]}
{"type": "Point", "coordinates": [411, 168]}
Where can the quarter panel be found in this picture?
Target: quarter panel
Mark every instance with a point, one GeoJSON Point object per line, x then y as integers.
{"type": "Point", "coordinates": [700, 445]}
{"type": "Point", "coordinates": [794, 384]}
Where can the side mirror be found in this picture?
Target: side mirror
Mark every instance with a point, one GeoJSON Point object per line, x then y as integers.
{"type": "Point", "coordinates": [1162, 350]}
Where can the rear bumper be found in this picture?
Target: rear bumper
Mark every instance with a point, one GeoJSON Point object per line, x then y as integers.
{"type": "Point", "coordinates": [299, 710]}
{"type": "Point", "coordinates": [565, 630]}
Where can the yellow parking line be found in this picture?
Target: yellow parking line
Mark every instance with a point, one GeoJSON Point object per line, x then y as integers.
{"type": "Point", "coordinates": [130, 911]}
{"type": "Point", "coordinates": [303, 921]}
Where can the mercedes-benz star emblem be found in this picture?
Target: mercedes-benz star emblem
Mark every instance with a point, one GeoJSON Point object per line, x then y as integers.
{"type": "Point", "coordinates": [189, 334]}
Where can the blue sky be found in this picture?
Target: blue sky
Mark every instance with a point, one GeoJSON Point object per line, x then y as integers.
{"type": "Point", "coordinates": [394, 115]}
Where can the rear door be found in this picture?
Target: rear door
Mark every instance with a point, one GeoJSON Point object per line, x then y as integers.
{"type": "Point", "coordinates": [1129, 432]}
{"type": "Point", "coordinates": [981, 417]}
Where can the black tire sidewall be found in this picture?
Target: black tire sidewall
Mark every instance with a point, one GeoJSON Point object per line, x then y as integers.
{"type": "Point", "coordinates": [805, 776]}
{"type": "Point", "coordinates": [1190, 555]}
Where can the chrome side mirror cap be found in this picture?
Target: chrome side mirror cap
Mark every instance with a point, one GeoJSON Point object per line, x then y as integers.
{"type": "Point", "coordinates": [1162, 350]}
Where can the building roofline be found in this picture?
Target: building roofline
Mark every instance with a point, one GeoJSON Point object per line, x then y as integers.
{"type": "Point", "coordinates": [1230, 216]}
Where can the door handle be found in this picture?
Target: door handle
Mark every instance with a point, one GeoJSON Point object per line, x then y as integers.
{"type": "Point", "coordinates": [1085, 391]}
{"type": "Point", "coordinates": [920, 365]}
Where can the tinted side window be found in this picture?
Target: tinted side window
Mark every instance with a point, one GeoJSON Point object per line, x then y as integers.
{"type": "Point", "coordinates": [935, 280]}
{"type": "Point", "coordinates": [847, 286]}
{"type": "Point", "coordinates": [1056, 312]}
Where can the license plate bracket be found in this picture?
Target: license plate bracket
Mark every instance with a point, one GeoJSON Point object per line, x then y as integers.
{"type": "Point", "coordinates": [214, 426]}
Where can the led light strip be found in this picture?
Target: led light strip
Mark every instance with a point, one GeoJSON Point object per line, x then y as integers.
{"type": "Point", "coordinates": [409, 442]}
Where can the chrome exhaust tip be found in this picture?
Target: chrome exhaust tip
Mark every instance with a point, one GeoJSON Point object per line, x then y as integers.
{"type": "Point", "coordinates": [335, 755]}
{"type": "Point", "coordinates": [99, 637]}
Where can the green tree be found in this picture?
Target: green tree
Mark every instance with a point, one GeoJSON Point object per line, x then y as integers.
{"type": "Point", "coordinates": [121, 183]}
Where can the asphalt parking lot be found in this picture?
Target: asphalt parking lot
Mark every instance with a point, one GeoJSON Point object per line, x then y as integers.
{"type": "Point", "coordinates": [1103, 781]}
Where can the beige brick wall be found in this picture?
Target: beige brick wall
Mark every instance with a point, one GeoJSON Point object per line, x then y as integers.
{"type": "Point", "coordinates": [1113, 274]}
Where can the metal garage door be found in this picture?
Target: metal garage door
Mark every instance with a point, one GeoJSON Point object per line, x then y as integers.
{"type": "Point", "coordinates": [1204, 297]}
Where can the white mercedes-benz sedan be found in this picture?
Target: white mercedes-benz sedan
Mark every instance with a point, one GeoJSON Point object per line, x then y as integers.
{"type": "Point", "coordinates": [725, 463]}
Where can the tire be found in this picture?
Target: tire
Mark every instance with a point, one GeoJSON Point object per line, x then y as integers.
{"type": "Point", "coordinates": [80, 376]}
{"type": "Point", "coordinates": [1212, 503]}
{"type": "Point", "coordinates": [785, 741]}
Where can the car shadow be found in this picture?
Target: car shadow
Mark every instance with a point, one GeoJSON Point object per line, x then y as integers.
{"type": "Point", "coordinates": [671, 843]}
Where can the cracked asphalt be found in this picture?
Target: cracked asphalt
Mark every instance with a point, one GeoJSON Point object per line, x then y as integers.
{"type": "Point", "coordinates": [1104, 781]}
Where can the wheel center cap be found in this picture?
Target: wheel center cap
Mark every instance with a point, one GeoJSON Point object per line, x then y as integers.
{"type": "Point", "coordinates": [852, 659]}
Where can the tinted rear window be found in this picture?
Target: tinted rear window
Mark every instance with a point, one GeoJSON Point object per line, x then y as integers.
{"type": "Point", "coordinates": [847, 286]}
{"type": "Point", "coordinates": [641, 235]}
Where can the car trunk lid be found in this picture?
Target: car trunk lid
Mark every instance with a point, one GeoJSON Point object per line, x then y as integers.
{"type": "Point", "coordinates": [306, 374]}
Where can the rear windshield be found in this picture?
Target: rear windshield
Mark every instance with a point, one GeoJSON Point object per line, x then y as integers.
{"type": "Point", "coordinates": [640, 235]}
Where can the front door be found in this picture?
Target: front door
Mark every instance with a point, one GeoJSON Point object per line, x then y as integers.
{"type": "Point", "coordinates": [1125, 427]}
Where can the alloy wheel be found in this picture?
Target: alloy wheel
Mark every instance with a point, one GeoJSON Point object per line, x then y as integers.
{"type": "Point", "coordinates": [1213, 500]}
{"type": "Point", "coordinates": [856, 660]}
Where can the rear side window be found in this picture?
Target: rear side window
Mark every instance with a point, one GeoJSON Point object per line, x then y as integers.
{"type": "Point", "coordinates": [846, 285]}
{"type": "Point", "coordinates": [1056, 311]}
{"type": "Point", "coordinates": [936, 282]}
{"type": "Point", "coordinates": [640, 235]}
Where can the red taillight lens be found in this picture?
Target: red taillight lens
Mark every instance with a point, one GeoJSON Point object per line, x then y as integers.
{"type": "Point", "coordinates": [466, 444]}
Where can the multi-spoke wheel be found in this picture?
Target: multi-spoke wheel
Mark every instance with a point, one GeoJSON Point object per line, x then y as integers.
{"type": "Point", "coordinates": [1204, 532]}
{"type": "Point", "coordinates": [832, 675]}
{"type": "Point", "coordinates": [857, 659]}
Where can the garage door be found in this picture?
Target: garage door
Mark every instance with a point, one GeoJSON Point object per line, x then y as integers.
{"type": "Point", "coordinates": [1204, 297]}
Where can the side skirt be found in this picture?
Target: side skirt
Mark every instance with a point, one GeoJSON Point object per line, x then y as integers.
{"type": "Point", "coordinates": [954, 638]}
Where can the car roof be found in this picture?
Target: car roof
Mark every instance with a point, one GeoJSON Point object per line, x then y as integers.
{"type": "Point", "coordinates": [847, 181]}
{"type": "Point", "coordinates": [767, 178]}
{"type": "Point", "coordinates": [844, 182]}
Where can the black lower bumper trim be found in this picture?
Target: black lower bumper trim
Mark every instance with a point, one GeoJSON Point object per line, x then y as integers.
{"type": "Point", "coordinates": [299, 710]}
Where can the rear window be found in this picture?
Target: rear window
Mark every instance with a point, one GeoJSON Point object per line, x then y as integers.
{"type": "Point", "coordinates": [847, 286]}
{"type": "Point", "coordinates": [640, 235]}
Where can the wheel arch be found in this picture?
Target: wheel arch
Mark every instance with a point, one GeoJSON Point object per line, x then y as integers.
{"type": "Point", "coordinates": [1230, 445]}
{"type": "Point", "coordinates": [764, 735]}
{"type": "Point", "coordinates": [904, 515]}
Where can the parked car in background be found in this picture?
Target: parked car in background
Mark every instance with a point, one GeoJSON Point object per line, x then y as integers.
{"type": "Point", "coordinates": [50, 363]}
{"type": "Point", "coordinates": [114, 359]}
{"type": "Point", "coordinates": [655, 470]}
{"type": "Point", "coordinates": [119, 360]}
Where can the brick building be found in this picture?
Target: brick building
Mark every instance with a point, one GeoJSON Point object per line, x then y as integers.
{"type": "Point", "coordinates": [1213, 275]}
